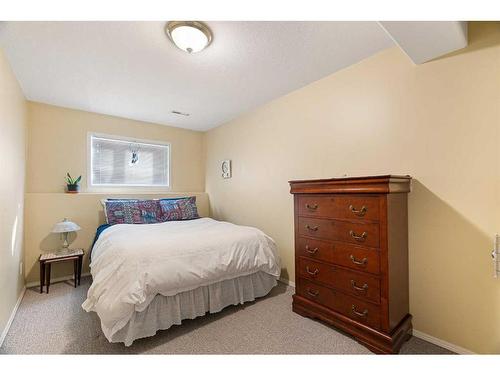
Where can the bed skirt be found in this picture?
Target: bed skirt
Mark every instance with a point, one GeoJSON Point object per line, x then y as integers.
{"type": "Point", "coordinates": [163, 312]}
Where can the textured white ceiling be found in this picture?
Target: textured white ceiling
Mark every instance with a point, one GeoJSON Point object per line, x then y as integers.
{"type": "Point", "coordinates": [132, 70]}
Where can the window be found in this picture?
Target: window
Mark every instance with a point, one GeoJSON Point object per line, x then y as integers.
{"type": "Point", "coordinates": [116, 161]}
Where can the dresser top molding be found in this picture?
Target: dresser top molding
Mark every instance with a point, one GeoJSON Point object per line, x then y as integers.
{"type": "Point", "coordinates": [364, 185]}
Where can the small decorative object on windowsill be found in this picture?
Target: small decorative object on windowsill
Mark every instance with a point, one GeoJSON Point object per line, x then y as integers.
{"type": "Point", "coordinates": [73, 184]}
{"type": "Point", "coordinates": [64, 227]}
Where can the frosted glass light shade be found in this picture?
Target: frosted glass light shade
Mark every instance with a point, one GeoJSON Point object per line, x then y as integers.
{"type": "Point", "coordinates": [189, 36]}
{"type": "Point", "coordinates": [65, 226]}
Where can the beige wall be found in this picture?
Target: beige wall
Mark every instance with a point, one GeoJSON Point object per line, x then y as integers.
{"type": "Point", "coordinates": [13, 146]}
{"type": "Point", "coordinates": [57, 143]}
{"type": "Point", "coordinates": [438, 122]}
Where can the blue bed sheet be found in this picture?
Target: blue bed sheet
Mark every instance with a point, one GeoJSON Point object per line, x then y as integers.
{"type": "Point", "coordinates": [101, 228]}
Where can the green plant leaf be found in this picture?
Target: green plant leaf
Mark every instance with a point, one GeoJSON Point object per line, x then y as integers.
{"type": "Point", "coordinates": [78, 180]}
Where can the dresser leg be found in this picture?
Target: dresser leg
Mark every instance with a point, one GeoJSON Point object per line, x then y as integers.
{"type": "Point", "coordinates": [409, 333]}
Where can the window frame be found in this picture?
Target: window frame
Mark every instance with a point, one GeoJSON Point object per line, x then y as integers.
{"type": "Point", "coordinates": [134, 187]}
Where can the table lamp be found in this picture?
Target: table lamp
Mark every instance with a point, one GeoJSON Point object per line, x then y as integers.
{"type": "Point", "coordinates": [65, 227]}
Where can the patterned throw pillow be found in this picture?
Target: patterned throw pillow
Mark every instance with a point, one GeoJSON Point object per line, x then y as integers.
{"type": "Point", "coordinates": [105, 200]}
{"type": "Point", "coordinates": [179, 209]}
{"type": "Point", "coordinates": [133, 211]}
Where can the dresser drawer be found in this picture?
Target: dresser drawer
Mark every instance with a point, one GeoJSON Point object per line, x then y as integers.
{"type": "Point", "coordinates": [361, 285]}
{"type": "Point", "coordinates": [366, 234]}
{"type": "Point", "coordinates": [357, 258]}
{"type": "Point", "coordinates": [339, 206]}
{"type": "Point", "coordinates": [361, 311]}
{"type": "Point", "coordinates": [351, 307]}
{"type": "Point", "coordinates": [316, 293]}
{"type": "Point", "coordinates": [312, 270]}
{"type": "Point", "coordinates": [315, 249]}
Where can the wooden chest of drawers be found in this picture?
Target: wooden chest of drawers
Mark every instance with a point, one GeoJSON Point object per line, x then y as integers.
{"type": "Point", "coordinates": [351, 257]}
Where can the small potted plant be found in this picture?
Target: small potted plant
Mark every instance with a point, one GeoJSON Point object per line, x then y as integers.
{"type": "Point", "coordinates": [73, 184]}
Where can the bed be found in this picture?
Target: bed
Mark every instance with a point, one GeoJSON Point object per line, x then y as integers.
{"type": "Point", "coordinates": [149, 277]}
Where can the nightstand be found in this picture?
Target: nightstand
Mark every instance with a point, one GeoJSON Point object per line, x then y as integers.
{"type": "Point", "coordinates": [46, 260]}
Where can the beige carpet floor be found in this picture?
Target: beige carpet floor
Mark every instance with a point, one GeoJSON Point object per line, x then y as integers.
{"type": "Point", "coordinates": [55, 323]}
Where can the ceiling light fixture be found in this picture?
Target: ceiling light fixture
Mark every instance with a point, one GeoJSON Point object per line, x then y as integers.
{"type": "Point", "coordinates": [189, 36]}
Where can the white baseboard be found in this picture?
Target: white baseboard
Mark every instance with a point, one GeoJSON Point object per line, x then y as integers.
{"type": "Point", "coordinates": [287, 282]}
{"type": "Point", "coordinates": [444, 344]}
{"type": "Point", "coordinates": [12, 315]}
{"type": "Point", "coordinates": [56, 280]}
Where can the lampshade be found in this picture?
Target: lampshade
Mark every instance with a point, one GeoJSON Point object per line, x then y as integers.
{"type": "Point", "coordinates": [65, 226]}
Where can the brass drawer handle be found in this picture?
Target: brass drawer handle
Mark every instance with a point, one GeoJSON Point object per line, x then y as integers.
{"type": "Point", "coordinates": [361, 262]}
{"type": "Point", "coordinates": [312, 207]}
{"type": "Point", "coordinates": [311, 251]}
{"type": "Point", "coordinates": [361, 314]}
{"type": "Point", "coordinates": [314, 229]}
{"type": "Point", "coordinates": [363, 288]}
{"type": "Point", "coordinates": [359, 238]}
{"type": "Point", "coordinates": [360, 212]}
{"type": "Point", "coordinates": [312, 273]}
{"type": "Point", "coordinates": [312, 293]}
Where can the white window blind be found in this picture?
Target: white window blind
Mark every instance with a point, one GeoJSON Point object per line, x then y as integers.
{"type": "Point", "coordinates": [122, 162]}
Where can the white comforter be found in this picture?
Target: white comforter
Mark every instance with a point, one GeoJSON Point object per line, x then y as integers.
{"type": "Point", "coordinates": [133, 263]}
